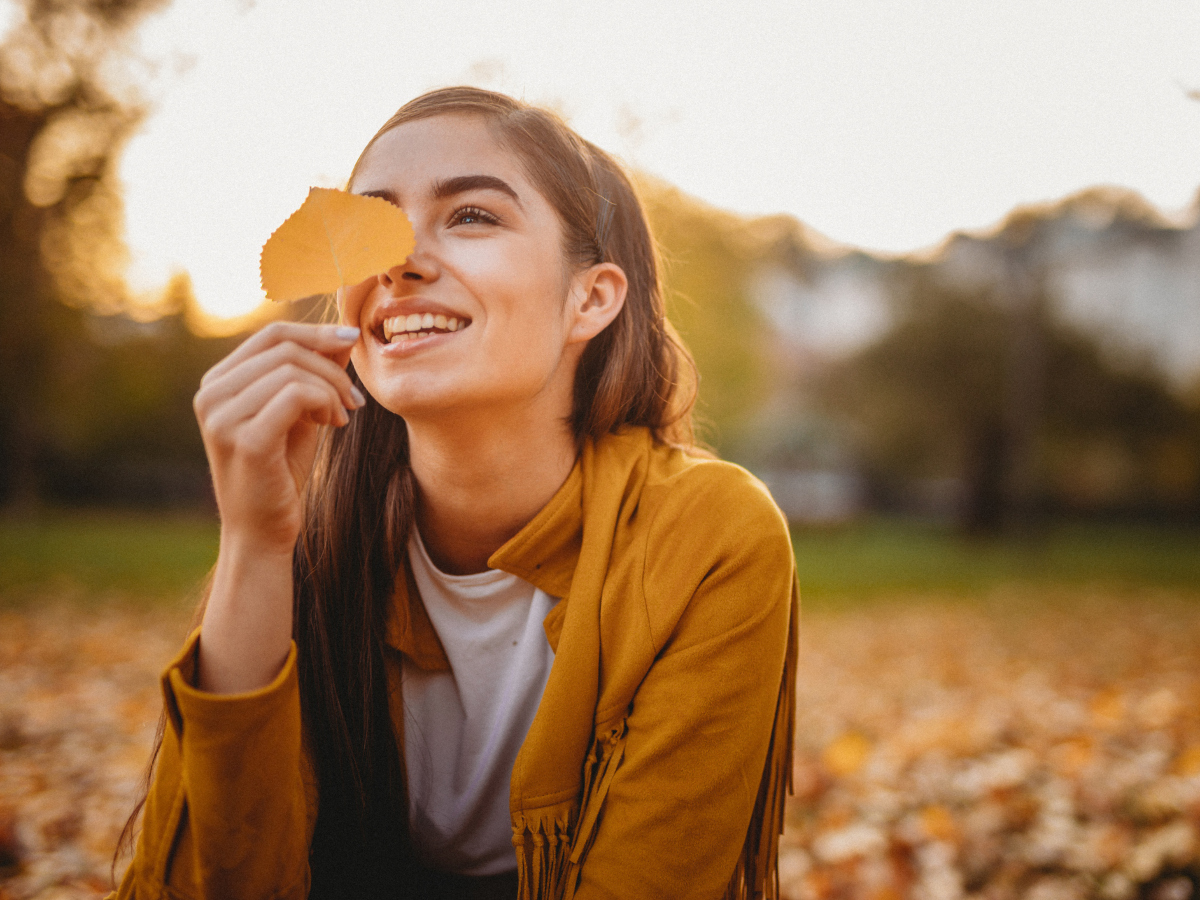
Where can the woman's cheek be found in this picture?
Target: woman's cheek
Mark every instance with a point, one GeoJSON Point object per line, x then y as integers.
{"type": "Point", "coordinates": [362, 366]}
{"type": "Point", "coordinates": [350, 302]}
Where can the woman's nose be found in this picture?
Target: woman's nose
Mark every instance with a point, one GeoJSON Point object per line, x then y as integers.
{"type": "Point", "coordinates": [418, 267]}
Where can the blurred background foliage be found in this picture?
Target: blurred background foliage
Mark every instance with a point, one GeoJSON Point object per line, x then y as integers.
{"type": "Point", "coordinates": [95, 388]}
{"type": "Point", "coordinates": [1003, 382]}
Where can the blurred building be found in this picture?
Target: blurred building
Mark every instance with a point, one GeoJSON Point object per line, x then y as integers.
{"type": "Point", "coordinates": [1101, 269]}
{"type": "Point", "coordinates": [1114, 266]}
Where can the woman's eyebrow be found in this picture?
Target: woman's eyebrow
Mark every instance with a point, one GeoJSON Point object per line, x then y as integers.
{"type": "Point", "coordinates": [448, 187]}
{"type": "Point", "coordinates": [383, 194]}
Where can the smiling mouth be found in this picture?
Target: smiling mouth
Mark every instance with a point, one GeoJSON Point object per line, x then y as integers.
{"type": "Point", "coordinates": [400, 329]}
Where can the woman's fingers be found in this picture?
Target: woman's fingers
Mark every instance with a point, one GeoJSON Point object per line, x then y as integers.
{"type": "Point", "coordinates": [331, 341]}
{"type": "Point", "coordinates": [296, 402]}
{"type": "Point", "coordinates": [285, 355]}
{"type": "Point", "coordinates": [259, 409]}
{"type": "Point", "coordinates": [323, 404]}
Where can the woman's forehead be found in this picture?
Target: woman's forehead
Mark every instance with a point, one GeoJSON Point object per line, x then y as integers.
{"type": "Point", "coordinates": [413, 157]}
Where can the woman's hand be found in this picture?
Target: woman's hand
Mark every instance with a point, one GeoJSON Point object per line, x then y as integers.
{"type": "Point", "coordinates": [260, 411]}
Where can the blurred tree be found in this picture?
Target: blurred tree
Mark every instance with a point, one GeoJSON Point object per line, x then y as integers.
{"type": "Point", "coordinates": [68, 100]}
{"type": "Point", "coordinates": [932, 402]}
{"type": "Point", "coordinates": [707, 257]}
{"type": "Point", "coordinates": [118, 421]}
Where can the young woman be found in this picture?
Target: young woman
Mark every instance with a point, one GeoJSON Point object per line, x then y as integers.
{"type": "Point", "coordinates": [483, 622]}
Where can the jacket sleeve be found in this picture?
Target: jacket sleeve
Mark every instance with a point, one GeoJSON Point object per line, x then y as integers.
{"type": "Point", "coordinates": [700, 746]}
{"type": "Point", "coordinates": [230, 808]}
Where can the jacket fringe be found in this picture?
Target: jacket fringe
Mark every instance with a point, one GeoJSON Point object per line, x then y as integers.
{"type": "Point", "coordinates": [756, 876]}
{"type": "Point", "coordinates": [550, 845]}
{"type": "Point", "coordinates": [540, 843]}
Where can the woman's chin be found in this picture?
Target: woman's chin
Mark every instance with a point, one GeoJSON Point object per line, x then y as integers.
{"type": "Point", "coordinates": [407, 406]}
{"type": "Point", "coordinates": [419, 403]}
{"type": "Point", "coordinates": [410, 391]}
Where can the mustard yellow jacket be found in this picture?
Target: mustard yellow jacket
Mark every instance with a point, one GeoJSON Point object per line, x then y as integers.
{"type": "Point", "coordinates": [658, 760]}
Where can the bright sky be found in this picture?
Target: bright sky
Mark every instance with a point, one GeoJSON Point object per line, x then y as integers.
{"type": "Point", "coordinates": [881, 123]}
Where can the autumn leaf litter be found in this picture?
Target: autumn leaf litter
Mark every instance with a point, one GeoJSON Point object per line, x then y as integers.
{"type": "Point", "coordinates": [1046, 750]}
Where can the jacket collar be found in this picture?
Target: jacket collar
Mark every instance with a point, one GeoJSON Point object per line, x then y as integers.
{"type": "Point", "coordinates": [544, 553]}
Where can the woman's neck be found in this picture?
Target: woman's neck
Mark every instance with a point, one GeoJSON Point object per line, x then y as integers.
{"type": "Point", "coordinates": [478, 487]}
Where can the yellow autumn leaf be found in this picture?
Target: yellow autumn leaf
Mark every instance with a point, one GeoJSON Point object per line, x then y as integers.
{"type": "Point", "coordinates": [1072, 756]}
{"type": "Point", "coordinates": [846, 755]}
{"type": "Point", "coordinates": [334, 239]}
{"type": "Point", "coordinates": [1108, 708]}
{"type": "Point", "coordinates": [1188, 763]}
{"type": "Point", "coordinates": [938, 822]}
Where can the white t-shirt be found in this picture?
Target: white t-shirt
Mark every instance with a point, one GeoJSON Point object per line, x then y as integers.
{"type": "Point", "coordinates": [463, 728]}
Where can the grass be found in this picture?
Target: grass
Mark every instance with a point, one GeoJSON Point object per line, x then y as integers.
{"type": "Point", "coordinates": [165, 556]}
{"type": "Point", "coordinates": [138, 556]}
{"type": "Point", "coordinates": [877, 557]}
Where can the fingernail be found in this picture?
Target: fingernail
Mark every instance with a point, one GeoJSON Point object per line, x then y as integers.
{"type": "Point", "coordinates": [347, 333]}
{"type": "Point", "coordinates": [359, 400]}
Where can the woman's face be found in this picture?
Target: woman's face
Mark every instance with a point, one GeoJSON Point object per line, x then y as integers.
{"type": "Point", "coordinates": [480, 319]}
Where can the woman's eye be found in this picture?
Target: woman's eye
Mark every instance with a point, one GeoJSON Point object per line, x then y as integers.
{"type": "Point", "coordinates": [472, 215]}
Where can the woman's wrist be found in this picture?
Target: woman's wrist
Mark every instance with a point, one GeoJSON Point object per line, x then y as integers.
{"type": "Point", "coordinates": [246, 547]}
{"type": "Point", "coordinates": [247, 627]}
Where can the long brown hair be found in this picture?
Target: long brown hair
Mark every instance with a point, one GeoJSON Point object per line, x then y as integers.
{"type": "Point", "coordinates": [361, 498]}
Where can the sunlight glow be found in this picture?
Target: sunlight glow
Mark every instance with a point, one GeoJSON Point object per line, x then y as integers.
{"type": "Point", "coordinates": [882, 125]}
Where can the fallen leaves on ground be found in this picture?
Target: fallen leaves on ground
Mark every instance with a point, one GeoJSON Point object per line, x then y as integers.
{"type": "Point", "coordinates": [1046, 750]}
{"type": "Point", "coordinates": [79, 704]}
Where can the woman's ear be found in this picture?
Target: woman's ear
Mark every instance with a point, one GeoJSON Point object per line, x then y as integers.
{"type": "Point", "coordinates": [597, 295]}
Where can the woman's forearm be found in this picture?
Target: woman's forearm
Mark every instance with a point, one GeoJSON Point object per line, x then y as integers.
{"type": "Point", "coordinates": [247, 626]}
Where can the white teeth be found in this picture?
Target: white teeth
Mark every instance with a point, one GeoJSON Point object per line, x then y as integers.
{"type": "Point", "coordinates": [417, 325]}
